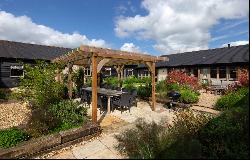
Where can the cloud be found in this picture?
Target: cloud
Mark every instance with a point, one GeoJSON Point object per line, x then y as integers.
{"type": "Point", "coordinates": [22, 29]}
{"type": "Point", "coordinates": [228, 35]}
{"type": "Point", "coordinates": [233, 25]}
{"type": "Point", "coordinates": [180, 25]}
{"type": "Point", "coordinates": [130, 47]}
{"type": "Point", "coordinates": [236, 43]}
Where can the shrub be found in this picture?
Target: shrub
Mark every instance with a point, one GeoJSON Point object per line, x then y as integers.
{"type": "Point", "coordinates": [11, 137]}
{"type": "Point", "coordinates": [188, 96]}
{"type": "Point", "coordinates": [69, 113]}
{"type": "Point", "coordinates": [3, 94]}
{"type": "Point", "coordinates": [244, 77]}
{"type": "Point", "coordinates": [111, 81]}
{"type": "Point", "coordinates": [88, 82]}
{"type": "Point", "coordinates": [131, 80]}
{"type": "Point", "coordinates": [142, 142]}
{"type": "Point", "coordinates": [161, 86]}
{"type": "Point", "coordinates": [78, 79]}
{"type": "Point", "coordinates": [227, 136]}
{"type": "Point", "coordinates": [130, 87]}
{"type": "Point", "coordinates": [173, 86]}
{"type": "Point", "coordinates": [182, 78]}
{"type": "Point", "coordinates": [39, 85]}
{"type": "Point", "coordinates": [41, 122]}
{"type": "Point", "coordinates": [229, 100]}
{"type": "Point", "coordinates": [144, 91]}
{"type": "Point", "coordinates": [151, 140]}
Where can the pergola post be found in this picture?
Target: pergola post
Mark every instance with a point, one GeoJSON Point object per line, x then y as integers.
{"type": "Point", "coordinates": [94, 89]}
{"type": "Point", "coordinates": [151, 67]}
{"type": "Point", "coordinates": [153, 86]}
{"type": "Point", "coordinates": [70, 84]}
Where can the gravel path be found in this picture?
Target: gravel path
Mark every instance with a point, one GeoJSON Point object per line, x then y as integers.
{"type": "Point", "coordinates": [13, 114]}
{"type": "Point", "coordinates": [207, 99]}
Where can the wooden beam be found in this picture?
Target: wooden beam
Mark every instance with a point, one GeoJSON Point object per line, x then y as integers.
{"type": "Point", "coordinates": [102, 63]}
{"type": "Point", "coordinates": [153, 86]}
{"type": "Point", "coordinates": [94, 89]}
{"type": "Point", "coordinates": [70, 84]}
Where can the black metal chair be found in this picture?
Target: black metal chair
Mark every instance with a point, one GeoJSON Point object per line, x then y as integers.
{"type": "Point", "coordinates": [125, 101]}
{"type": "Point", "coordinates": [102, 102]}
{"type": "Point", "coordinates": [85, 97]}
{"type": "Point", "coordinates": [134, 97]}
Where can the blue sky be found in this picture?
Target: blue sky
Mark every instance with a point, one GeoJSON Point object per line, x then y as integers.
{"type": "Point", "coordinates": [113, 24]}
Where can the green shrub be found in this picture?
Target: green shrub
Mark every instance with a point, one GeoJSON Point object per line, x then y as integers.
{"type": "Point", "coordinates": [142, 142]}
{"type": "Point", "coordinates": [188, 96]}
{"type": "Point", "coordinates": [229, 100]}
{"type": "Point", "coordinates": [3, 94]}
{"type": "Point", "coordinates": [41, 122]}
{"type": "Point", "coordinates": [130, 87]}
{"type": "Point", "coordinates": [227, 136]}
{"type": "Point", "coordinates": [111, 81]}
{"type": "Point", "coordinates": [131, 80]}
{"type": "Point", "coordinates": [11, 137]}
{"type": "Point", "coordinates": [173, 86]}
{"type": "Point", "coordinates": [88, 82]}
{"type": "Point", "coordinates": [69, 112]}
{"type": "Point", "coordinates": [39, 84]}
{"type": "Point", "coordinates": [146, 80]}
{"type": "Point", "coordinates": [78, 79]}
{"type": "Point", "coordinates": [151, 140]}
{"type": "Point", "coordinates": [161, 86]}
{"type": "Point", "coordinates": [144, 91]}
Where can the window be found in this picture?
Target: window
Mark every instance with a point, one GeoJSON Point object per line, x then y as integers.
{"type": "Point", "coordinates": [222, 72]}
{"type": "Point", "coordinates": [195, 72]}
{"type": "Point", "coordinates": [16, 71]}
{"type": "Point", "coordinates": [205, 73]}
{"type": "Point", "coordinates": [87, 72]}
{"type": "Point", "coordinates": [232, 71]}
{"type": "Point", "coordinates": [107, 71]}
{"type": "Point", "coordinates": [129, 72]}
{"type": "Point", "coordinates": [213, 72]}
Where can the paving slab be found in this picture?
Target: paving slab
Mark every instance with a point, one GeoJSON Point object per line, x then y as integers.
{"type": "Point", "coordinates": [64, 155]}
{"type": "Point", "coordinates": [88, 149]}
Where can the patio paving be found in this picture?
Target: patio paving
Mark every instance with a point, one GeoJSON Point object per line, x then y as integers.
{"type": "Point", "coordinates": [114, 123]}
{"type": "Point", "coordinates": [103, 147]}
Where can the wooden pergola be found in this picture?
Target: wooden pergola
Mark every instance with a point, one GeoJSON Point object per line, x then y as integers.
{"type": "Point", "coordinates": [96, 58]}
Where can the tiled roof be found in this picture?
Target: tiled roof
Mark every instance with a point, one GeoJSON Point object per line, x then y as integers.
{"type": "Point", "coordinates": [10, 49]}
{"type": "Point", "coordinates": [234, 54]}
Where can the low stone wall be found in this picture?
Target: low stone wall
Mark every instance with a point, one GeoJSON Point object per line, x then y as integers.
{"type": "Point", "coordinates": [50, 142]}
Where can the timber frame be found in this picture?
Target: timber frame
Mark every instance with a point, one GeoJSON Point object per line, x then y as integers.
{"type": "Point", "coordinates": [96, 58]}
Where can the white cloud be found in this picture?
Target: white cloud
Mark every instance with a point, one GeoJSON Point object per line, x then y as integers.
{"type": "Point", "coordinates": [180, 25]}
{"type": "Point", "coordinates": [130, 47]}
{"type": "Point", "coordinates": [22, 29]}
{"type": "Point", "coordinates": [236, 43]}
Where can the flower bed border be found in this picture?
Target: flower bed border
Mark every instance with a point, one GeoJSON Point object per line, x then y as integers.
{"type": "Point", "coordinates": [51, 142]}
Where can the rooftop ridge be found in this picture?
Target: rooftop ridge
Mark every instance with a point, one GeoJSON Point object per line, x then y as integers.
{"type": "Point", "coordinates": [26, 43]}
{"type": "Point", "coordinates": [205, 50]}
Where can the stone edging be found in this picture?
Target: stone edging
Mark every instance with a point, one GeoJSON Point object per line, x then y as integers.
{"type": "Point", "coordinates": [50, 142]}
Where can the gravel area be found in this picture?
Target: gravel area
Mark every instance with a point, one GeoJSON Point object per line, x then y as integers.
{"type": "Point", "coordinates": [207, 99]}
{"type": "Point", "coordinates": [13, 114]}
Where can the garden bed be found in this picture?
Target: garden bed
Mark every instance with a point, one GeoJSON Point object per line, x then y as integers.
{"type": "Point", "coordinates": [51, 142]}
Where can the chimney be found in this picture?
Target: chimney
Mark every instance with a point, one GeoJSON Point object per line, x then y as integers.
{"type": "Point", "coordinates": [228, 45]}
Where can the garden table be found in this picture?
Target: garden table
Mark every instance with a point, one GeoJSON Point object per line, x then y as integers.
{"type": "Point", "coordinates": [107, 92]}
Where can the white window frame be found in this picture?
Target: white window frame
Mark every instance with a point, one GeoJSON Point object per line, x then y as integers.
{"type": "Point", "coordinates": [16, 67]}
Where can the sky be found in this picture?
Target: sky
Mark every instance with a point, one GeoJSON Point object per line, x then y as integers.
{"type": "Point", "coordinates": [153, 27]}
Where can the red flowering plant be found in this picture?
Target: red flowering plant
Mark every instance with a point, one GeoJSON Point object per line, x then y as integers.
{"type": "Point", "coordinates": [243, 81]}
{"type": "Point", "coordinates": [181, 78]}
